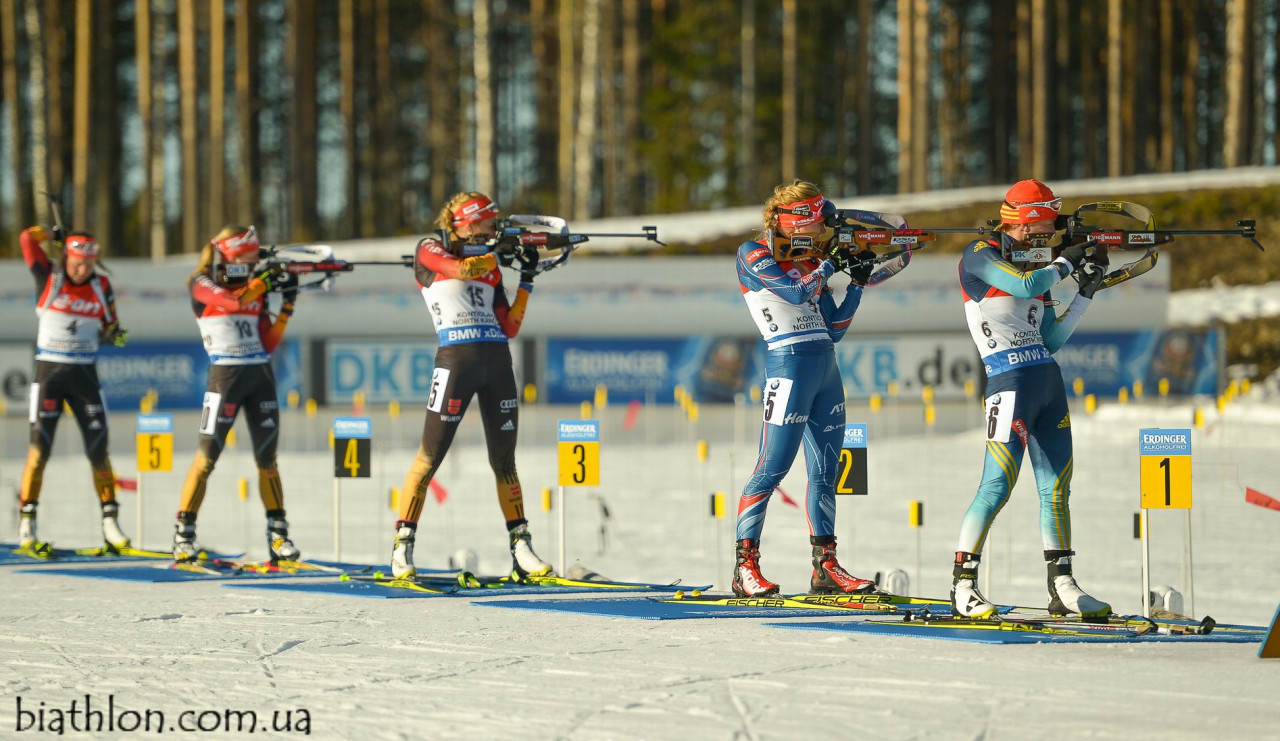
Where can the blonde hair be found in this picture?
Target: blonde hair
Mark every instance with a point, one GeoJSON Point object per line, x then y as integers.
{"type": "Point", "coordinates": [796, 190]}
{"type": "Point", "coordinates": [204, 266]}
{"type": "Point", "coordinates": [444, 219]}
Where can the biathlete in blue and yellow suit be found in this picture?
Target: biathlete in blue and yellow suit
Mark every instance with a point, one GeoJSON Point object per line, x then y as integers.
{"type": "Point", "coordinates": [1013, 321]}
{"type": "Point", "coordinates": [784, 275]}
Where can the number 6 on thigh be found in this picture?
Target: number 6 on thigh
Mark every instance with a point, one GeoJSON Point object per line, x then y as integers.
{"type": "Point", "coordinates": [999, 416]}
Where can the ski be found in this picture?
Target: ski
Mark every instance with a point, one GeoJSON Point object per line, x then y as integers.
{"type": "Point", "coordinates": [46, 552]}
{"type": "Point", "coordinates": [416, 584]}
{"type": "Point", "coordinates": [551, 580]}
{"type": "Point", "coordinates": [874, 601]}
{"type": "Point", "coordinates": [1052, 626]}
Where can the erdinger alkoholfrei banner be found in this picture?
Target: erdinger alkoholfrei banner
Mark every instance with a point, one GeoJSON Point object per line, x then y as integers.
{"type": "Point", "coordinates": [178, 372]}
{"type": "Point", "coordinates": [648, 369]}
{"type": "Point", "coordinates": [1187, 358]}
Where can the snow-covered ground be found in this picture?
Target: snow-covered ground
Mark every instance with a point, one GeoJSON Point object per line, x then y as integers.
{"type": "Point", "coordinates": [441, 668]}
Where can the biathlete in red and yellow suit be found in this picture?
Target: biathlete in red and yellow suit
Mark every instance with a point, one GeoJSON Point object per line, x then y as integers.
{"type": "Point", "coordinates": [460, 281]}
{"type": "Point", "coordinates": [239, 335]}
{"type": "Point", "coordinates": [77, 310]}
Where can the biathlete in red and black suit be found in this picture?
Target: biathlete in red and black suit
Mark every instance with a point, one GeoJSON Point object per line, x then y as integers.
{"type": "Point", "coordinates": [458, 275]}
{"type": "Point", "coordinates": [239, 334]}
{"type": "Point", "coordinates": [77, 311]}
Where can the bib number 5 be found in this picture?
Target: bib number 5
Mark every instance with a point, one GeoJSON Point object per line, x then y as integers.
{"type": "Point", "coordinates": [777, 393]}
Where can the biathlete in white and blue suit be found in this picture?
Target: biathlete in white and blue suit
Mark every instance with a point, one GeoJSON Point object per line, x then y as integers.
{"type": "Point", "coordinates": [1006, 283]}
{"type": "Point", "coordinates": [784, 275]}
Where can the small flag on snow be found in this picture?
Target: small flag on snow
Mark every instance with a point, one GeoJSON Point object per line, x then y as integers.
{"type": "Point", "coordinates": [1253, 496]}
{"type": "Point", "coordinates": [788, 500]}
{"type": "Point", "coordinates": [438, 491]}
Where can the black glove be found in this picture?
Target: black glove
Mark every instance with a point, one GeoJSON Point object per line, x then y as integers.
{"type": "Point", "coordinates": [1090, 276]}
{"type": "Point", "coordinates": [506, 248]}
{"type": "Point", "coordinates": [287, 285]}
{"type": "Point", "coordinates": [528, 259]}
{"type": "Point", "coordinates": [861, 272]}
{"type": "Point", "coordinates": [1075, 253]}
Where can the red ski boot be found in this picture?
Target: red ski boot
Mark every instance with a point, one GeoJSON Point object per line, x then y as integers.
{"type": "Point", "coordinates": [747, 579]}
{"type": "Point", "coordinates": [829, 577]}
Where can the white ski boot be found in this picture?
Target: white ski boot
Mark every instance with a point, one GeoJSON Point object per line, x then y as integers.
{"type": "Point", "coordinates": [278, 543]}
{"type": "Point", "coordinates": [27, 537]}
{"type": "Point", "coordinates": [966, 600]}
{"type": "Point", "coordinates": [1065, 596]}
{"type": "Point", "coordinates": [402, 552]}
{"type": "Point", "coordinates": [184, 540]}
{"type": "Point", "coordinates": [112, 535]}
{"type": "Point", "coordinates": [524, 562]}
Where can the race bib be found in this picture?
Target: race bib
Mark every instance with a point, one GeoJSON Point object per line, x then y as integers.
{"type": "Point", "coordinates": [209, 412]}
{"type": "Point", "coordinates": [777, 392]}
{"type": "Point", "coordinates": [439, 383]}
{"type": "Point", "coordinates": [999, 416]}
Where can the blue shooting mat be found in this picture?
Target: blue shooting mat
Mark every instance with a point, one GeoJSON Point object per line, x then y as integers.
{"type": "Point", "coordinates": [647, 608]}
{"type": "Point", "coordinates": [981, 635]}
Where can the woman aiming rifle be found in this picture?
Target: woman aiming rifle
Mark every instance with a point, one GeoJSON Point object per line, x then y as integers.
{"type": "Point", "coordinates": [239, 334]}
{"type": "Point", "coordinates": [458, 276]}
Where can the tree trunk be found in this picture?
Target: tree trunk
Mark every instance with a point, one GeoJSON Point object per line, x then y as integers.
{"type": "Point", "coordinates": [1115, 90]}
{"type": "Point", "coordinates": [486, 178]}
{"type": "Point", "coordinates": [83, 101]}
{"type": "Point", "coordinates": [866, 96]}
{"type": "Point", "coordinates": [347, 109]}
{"type": "Point", "coordinates": [24, 212]}
{"type": "Point", "coordinates": [999, 31]}
{"type": "Point", "coordinates": [155, 218]}
{"type": "Point", "coordinates": [631, 191]}
{"type": "Point", "coordinates": [790, 99]}
{"type": "Point", "coordinates": [54, 45]}
{"type": "Point", "coordinates": [906, 93]}
{"type": "Point", "coordinates": [1023, 79]}
{"type": "Point", "coordinates": [545, 99]}
{"type": "Point", "coordinates": [217, 162]}
{"type": "Point", "coordinates": [1167, 110]}
{"type": "Point", "coordinates": [248, 204]}
{"type": "Point", "coordinates": [745, 149]}
{"type": "Point", "coordinates": [105, 142]}
{"type": "Point", "coordinates": [950, 131]}
{"type": "Point", "coordinates": [1190, 87]}
{"type": "Point", "coordinates": [921, 126]}
{"type": "Point", "coordinates": [585, 146]}
{"type": "Point", "coordinates": [303, 176]}
{"type": "Point", "coordinates": [1039, 99]}
{"type": "Point", "coordinates": [188, 95]}
{"type": "Point", "coordinates": [1128, 104]}
{"type": "Point", "coordinates": [564, 168]}
{"type": "Point", "coordinates": [609, 109]}
{"type": "Point", "coordinates": [441, 81]}
{"type": "Point", "coordinates": [39, 114]}
{"type": "Point", "coordinates": [142, 56]}
{"type": "Point", "coordinates": [1063, 94]}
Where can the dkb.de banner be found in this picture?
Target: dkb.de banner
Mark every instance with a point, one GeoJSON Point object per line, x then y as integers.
{"type": "Point", "coordinates": [714, 369]}
{"type": "Point", "coordinates": [177, 371]}
{"type": "Point", "coordinates": [1188, 358]}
